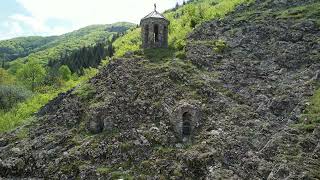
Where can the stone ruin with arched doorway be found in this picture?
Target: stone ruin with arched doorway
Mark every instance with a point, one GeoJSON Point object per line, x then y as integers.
{"type": "Point", "coordinates": [185, 119]}
{"type": "Point", "coordinates": [154, 30]}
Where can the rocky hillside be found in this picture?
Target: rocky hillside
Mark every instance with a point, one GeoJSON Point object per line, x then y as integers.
{"type": "Point", "coordinates": [242, 89]}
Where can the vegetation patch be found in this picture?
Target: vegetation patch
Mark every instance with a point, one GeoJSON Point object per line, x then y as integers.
{"type": "Point", "coordinates": [23, 133]}
{"type": "Point", "coordinates": [159, 54]}
{"type": "Point", "coordinates": [104, 170]}
{"type": "Point", "coordinates": [220, 46]}
{"type": "Point", "coordinates": [23, 112]}
{"type": "Point", "coordinates": [129, 42]}
{"type": "Point", "coordinates": [10, 95]}
{"type": "Point", "coordinates": [310, 119]}
{"type": "Point", "coordinates": [85, 92]}
{"type": "Point", "coordinates": [302, 12]}
{"type": "Point", "coordinates": [126, 146]}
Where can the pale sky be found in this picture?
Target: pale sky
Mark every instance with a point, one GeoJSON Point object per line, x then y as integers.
{"type": "Point", "coordinates": [55, 17]}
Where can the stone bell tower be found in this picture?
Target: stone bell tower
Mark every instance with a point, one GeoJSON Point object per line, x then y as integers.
{"type": "Point", "coordinates": [154, 30]}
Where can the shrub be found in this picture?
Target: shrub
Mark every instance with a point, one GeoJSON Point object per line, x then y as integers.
{"type": "Point", "coordinates": [65, 72]}
{"type": "Point", "coordinates": [85, 92]}
{"type": "Point", "coordinates": [5, 77]}
{"type": "Point", "coordinates": [181, 54]}
{"type": "Point", "coordinates": [220, 46]}
{"type": "Point", "coordinates": [11, 95]}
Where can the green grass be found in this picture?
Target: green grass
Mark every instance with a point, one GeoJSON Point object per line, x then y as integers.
{"type": "Point", "coordinates": [104, 170]}
{"type": "Point", "coordinates": [157, 55]}
{"type": "Point", "coordinates": [85, 92]}
{"type": "Point", "coordinates": [301, 12]}
{"type": "Point", "coordinates": [23, 112]}
{"type": "Point", "coordinates": [311, 117]}
{"type": "Point", "coordinates": [129, 42]}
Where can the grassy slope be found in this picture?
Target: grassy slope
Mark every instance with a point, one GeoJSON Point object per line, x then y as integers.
{"type": "Point", "coordinates": [182, 22]}
{"type": "Point", "coordinates": [24, 111]}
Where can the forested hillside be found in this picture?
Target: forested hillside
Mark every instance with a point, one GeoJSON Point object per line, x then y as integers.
{"type": "Point", "coordinates": [22, 46]}
{"type": "Point", "coordinates": [35, 69]}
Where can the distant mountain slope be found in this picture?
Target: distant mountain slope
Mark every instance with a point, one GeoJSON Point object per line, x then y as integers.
{"type": "Point", "coordinates": [49, 48]}
{"type": "Point", "coordinates": [22, 46]}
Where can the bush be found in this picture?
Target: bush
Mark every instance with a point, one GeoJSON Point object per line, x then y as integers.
{"type": "Point", "coordinates": [220, 46]}
{"type": "Point", "coordinates": [5, 77]}
{"type": "Point", "coordinates": [181, 54]}
{"type": "Point", "coordinates": [11, 95]}
{"type": "Point", "coordinates": [65, 72]}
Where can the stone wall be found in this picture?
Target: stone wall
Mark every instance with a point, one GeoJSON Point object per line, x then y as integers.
{"type": "Point", "coordinates": [148, 27]}
{"type": "Point", "coordinates": [177, 119]}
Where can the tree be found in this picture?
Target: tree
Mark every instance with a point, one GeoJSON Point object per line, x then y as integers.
{"type": "Point", "coordinates": [65, 72]}
{"type": "Point", "coordinates": [5, 77]}
{"type": "Point", "coordinates": [31, 74]}
{"type": "Point", "coordinates": [177, 5]}
{"type": "Point", "coordinates": [11, 95]}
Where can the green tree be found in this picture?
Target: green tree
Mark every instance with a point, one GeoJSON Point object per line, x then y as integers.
{"type": "Point", "coordinates": [11, 95]}
{"type": "Point", "coordinates": [5, 77]}
{"type": "Point", "coordinates": [31, 74]}
{"type": "Point", "coordinates": [65, 72]}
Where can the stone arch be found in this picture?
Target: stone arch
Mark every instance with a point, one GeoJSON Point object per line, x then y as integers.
{"type": "Point", "coordinates": [185, 119]}
{"type": "Point", "coordinates": [156, 33]}
{"type": "Point", "coordinates": [96, 126]}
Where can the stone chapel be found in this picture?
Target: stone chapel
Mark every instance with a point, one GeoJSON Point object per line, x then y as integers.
{"type": "Point", "coordinates": [154, 30]}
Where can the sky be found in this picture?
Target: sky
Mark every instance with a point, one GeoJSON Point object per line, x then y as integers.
{"type": "Point", "coordinates": [56, 17]}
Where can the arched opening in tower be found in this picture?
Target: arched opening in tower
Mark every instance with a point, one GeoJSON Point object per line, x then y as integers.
{"type": "Point", "coordinates": [156, 33]}
{"type": "Point", "coordinates": [186, 124]}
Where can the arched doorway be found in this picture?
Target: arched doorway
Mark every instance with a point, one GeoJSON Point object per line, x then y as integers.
{"type": "Point", "coordinates": [156, 33]}
{"type": "Point", "coordinates": [186, 124]}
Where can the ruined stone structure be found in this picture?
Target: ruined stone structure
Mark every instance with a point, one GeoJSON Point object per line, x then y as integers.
{"type": "Point", "coordinates": [154, 30]}
{"type": "Point", "coordinates": [185, 118]}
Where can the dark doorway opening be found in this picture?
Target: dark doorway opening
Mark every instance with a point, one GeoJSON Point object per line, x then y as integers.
{"type": "Point", "coordinates": [156, 33]}
{"type": "Point", "coordinates": [186, 124]}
